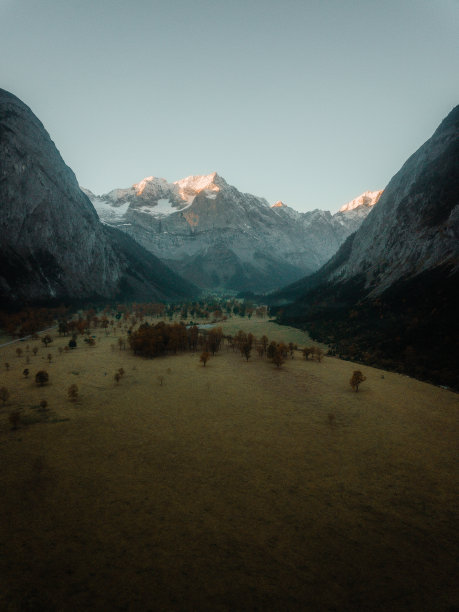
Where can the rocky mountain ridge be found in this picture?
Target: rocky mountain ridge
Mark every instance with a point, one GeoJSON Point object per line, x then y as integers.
{"type": "Point", "coordinates": [53, 246]}
{"type": "Point", "coordinates": [220, 238]}
{"type": "Point", "coordinates": [390, 294]}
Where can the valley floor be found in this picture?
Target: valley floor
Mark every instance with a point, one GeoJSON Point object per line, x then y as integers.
{"type": "Point", "coordinates": [235, 486]}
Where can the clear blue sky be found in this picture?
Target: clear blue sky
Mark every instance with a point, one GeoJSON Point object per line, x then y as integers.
{"type": "Point", "coordinates": [306, 101]}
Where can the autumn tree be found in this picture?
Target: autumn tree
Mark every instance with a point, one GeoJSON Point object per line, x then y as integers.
{"type": "Point", "coordinates": [204, 358]}
{"type": "Point", "coordinates": [318, 353]}
{"type": "Point", "coordinates": [356, 380]}
{"type": "Point", "coordinates": [246, 349]}
{"type": "Point", "coordinates": [278, 358]}
{"type": "Point", "coordinates": [41, 377]}
{"type": "Point", "coordinates": [214, 339]}
{"type": "Point", "coordinates": [271, 350]}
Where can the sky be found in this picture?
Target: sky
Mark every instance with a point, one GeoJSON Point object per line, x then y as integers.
{"type": "Point", "coordinates": [310, 102]}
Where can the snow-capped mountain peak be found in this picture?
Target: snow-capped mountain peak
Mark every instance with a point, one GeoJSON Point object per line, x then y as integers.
{"type": "Point", "coordinates": [367, 199]}
{"type": "Point", "coordinates": [149, 181]}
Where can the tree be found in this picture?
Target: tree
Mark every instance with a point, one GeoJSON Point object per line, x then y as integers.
{"type": "Point", "coordinates": [278, 358]}
{"type": "Point", "coordinates": [204, 358]}
{"type": "Point", "coordinates": [18, 352]}
{"type": "Point", "coordinates": [72, 343]}
{"type": "Point", "coordinates": [35, 350]}
{"type": "Point", "coordinates": [4, 394]}
{"type": "Point", "coordinates": [43, 405]}
{"type": "Point", "coordinates": [121, 371]}
{"type": "Point", "coordinates": [7, 366]}
{"type": "Point", "coordinates": [49, 357]}
{"type": "Point", "coordinates": [26, 372]}
{"type": "Point", "coordinates": [271, 350]}
{"type": "Point", "coordinates": [246, 349]}
{"type": "Point", "coordinates": [117, 377]}
{"type": "Point", "coordinates": [41, 377]}
{"type": "Point", "coordinates": [72, 393]}
{"type": "Point", "coordinates": [318, 353]}
{"type": "Point", "coordinates": [357, 379]}
{"type": "Point", "coordinates": [46, 340]}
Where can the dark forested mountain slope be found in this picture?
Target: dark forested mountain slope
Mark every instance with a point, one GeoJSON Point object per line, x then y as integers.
{"type": "Point", "coordinates": [52, 244]}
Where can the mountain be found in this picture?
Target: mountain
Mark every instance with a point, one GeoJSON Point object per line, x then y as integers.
{"type": "Point", "coordinates": [53, 245]}
{"type": "Point", "coordinates": [390, 294]}
{"type": "Point", "coordinates": [220, 238]}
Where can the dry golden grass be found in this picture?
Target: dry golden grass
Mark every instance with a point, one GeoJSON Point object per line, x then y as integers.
{"type": "Point", "coordinates": [236, 486]}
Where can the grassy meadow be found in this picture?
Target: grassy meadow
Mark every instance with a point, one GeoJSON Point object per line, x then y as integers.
{"type": "Point", "coordinates": [235, 486]}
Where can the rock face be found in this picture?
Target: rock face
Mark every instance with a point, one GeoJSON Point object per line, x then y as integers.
{"type": "Point", "coordinates": [52, 243]}
{"type": "Point", "coordinates": [394, 283]}
{"type": "Point", "coordinates": [220, 238]}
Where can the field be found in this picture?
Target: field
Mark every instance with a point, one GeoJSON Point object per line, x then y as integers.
{"type": "Point", "coordinates": [235, 486]}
